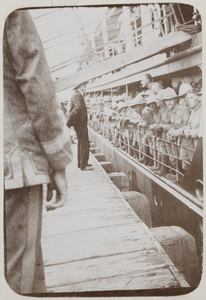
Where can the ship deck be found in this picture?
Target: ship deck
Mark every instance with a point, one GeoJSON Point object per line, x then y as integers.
{"type": "Point", "coordinates": [96, 243]}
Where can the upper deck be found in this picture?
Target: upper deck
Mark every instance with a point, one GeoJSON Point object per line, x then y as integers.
{"type": "Point", "coordinates": [157, 38]}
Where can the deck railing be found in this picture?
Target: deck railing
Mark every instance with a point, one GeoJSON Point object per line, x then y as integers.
{"type": "Point", "coordinates": [133, 143]}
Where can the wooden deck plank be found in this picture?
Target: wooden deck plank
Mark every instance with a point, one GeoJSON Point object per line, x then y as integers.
{"type": "Point", "coordinates": [103, 245]}
{"type": "Point", "coordinates": [144, 280]}
{"type": "Point", "coordinates": [129, 281]}
{"type": "Point", "coordinates": [107, 267]}
{"type": "Point", "coordinates": [96, 242]}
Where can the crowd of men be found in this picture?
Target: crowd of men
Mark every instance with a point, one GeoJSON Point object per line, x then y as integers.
{"type": "Point", "coordinates": [159, 127]}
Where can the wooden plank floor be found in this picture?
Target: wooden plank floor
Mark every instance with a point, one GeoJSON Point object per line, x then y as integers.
{"type": "Point", "coordinates": [97, 243]}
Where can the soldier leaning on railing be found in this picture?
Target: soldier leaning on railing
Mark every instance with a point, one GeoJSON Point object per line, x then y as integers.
{"type": "Point", "coordinates": [122, 113]}
{"type": "Point", "coordinates": [168, 134]}
{"type": "Point", "coordinates": [190, 132]}
{"type": "Point", "coordinates": [132, 123]}
{"type": "Point", "coordinates": [147, 120]}
{"type": "Point", "coordinates": [152, 102]}
{"type": "Point", "coordinates": [107, 111]}
{"type": "Point", "coordinates": [112, 119]}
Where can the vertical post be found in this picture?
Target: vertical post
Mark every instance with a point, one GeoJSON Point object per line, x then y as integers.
{"type": "Point", "coordinates": [139, 137]}
{"type": "Point", "coordinates": [195, 12]}
{"type": "Point", "coordinates": [93, 45]}
{"type": "Point", "coordinates": [154, 145]}
{"type": "Point", "coordinates": [173, 19]}
{"type": "Point", "coordinates": [157, 15]}
{"type": "Point", "coordinates": [105, 37]}
{"type": "Point", "coordinates": [134, 31]}
{"type": "Point", "coordinates": [165, 20]}
{"type": "Point", "coordinates": [92, 39]}
{"type": "Point", "coordinates": [176, 161]}
{"type": "Point", "coordinates": [128, 37]}
{"type": "Point", "coordinates": [174, 14]}
{"type": "Point", "coordinates": [181, 12]}
{"type": "Point", "coordinates": [127, 91]}
{"type": "Point", "coordinates": [146, 19]}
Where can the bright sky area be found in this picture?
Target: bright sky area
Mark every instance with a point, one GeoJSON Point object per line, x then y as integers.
{"type": "Point", "coordinates": [60, 31]}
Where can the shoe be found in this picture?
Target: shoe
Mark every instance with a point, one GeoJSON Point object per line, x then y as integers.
{"type": "Point", "coordinates": [59, 202]}
{"type": "Point", "coordinates": [88, 165]}
{"type": "Point", "coordinates": [87, 168]}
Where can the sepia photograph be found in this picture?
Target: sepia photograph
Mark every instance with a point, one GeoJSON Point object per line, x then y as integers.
{"type": "Point", "coordinates": [102, 149]}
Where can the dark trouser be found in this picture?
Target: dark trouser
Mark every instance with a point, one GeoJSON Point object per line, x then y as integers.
{"type": "Point", "coordinates": [83, 146]}
{"type": "Point", "coordinates": [24, 267]}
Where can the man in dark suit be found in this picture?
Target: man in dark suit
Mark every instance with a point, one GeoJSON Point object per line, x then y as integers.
{"type": "Point", "coordinates": [78, 119]}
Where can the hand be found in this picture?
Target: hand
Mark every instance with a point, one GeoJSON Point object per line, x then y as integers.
{"type": "Point", "coordinates": [165, 127]}
{"type": "Point", "coordinates": [170, 135]}
{"type": "Point", "coordinates": [60, 185]}
{"type": "Point", "coordinates": [187, 132]}
{"type": "Point", "coordinates": [134, 121]}
{"type": "Point", "coordinates": [171, 132]}
{"type": "Point", "coordinates": [175, 133]}
{"type": "Point", "coordinates": [193, 135]}
{"type": "Point", "coordinates": [142, 124]}
{"type": "Point", "coordinates": [118, 125]}
{"type": "Point", "coordinates": [68, 123]}
{"type": "Point", "coordinates": [157, 127]}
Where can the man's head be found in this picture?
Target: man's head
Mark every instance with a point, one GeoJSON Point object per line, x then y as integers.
{"type": "Point", "coordinates": [192, 98]}
{"type": "Point", "coordinates": [107, 101]}
{"type": "Point", "coordinates": [170, 103]}
{"type": "Point", "coordinates": [156, 87]}
{"type": "Point", "coordinates": [122, 108]}
{"type": "Point", "coordinates": [183, 90]}
{"type": "Point", "coordinates": [170, 97]}
{"type": "Point", "coordinates": [146, 79]}
{"type": "Point", "coordinates": [145, 95]}
{"type": "Point", "coordinates": [138, 108]}
{"type": "Point", "coordinates": [100, 105]}
{"type": "Point", "coordinates": [81, 86]}
{"type": "Point", "coordinates": [137, 103]}
{"type": "Point", "coordinates": [152, 103]}
{"type": "Point", "coordinates": [160, 97]}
